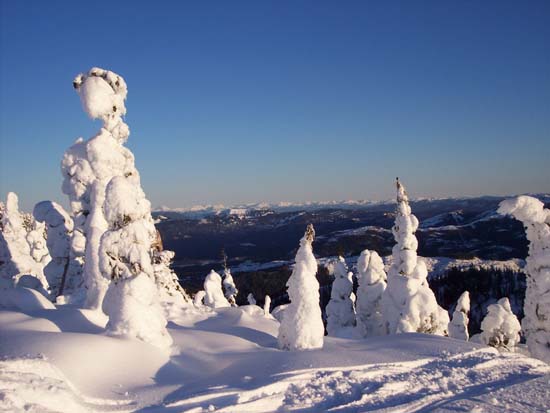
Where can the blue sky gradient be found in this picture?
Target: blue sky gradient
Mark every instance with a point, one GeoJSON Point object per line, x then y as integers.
{"type": "Point", "coordinates": [250, 101]}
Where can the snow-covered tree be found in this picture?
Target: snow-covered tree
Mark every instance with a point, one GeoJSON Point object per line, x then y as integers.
{"type": "Point", "coordinates": [59, 229]}
{"type": "Point", "coordinates": [302, 324]}
{"type": "Point", "coordinates": [229, 287]}
{"type": "Point", "coordinates": [408, 303]}
{"type": "Point", "coordinates": [214, 294]}
{"type": "Point", "coordinates": [500, 328]}
{"type": "Point", "coordinates": [89, 166]}
{"type": "Point", "coordinates": [125, 258]}
{"type": "Point", "coordinates": [458, 327]}
{"type": "Point", "coordinates": [371, 278]}
{"type": "Point", "coordinates": [340, 309]}
{"type": "Point", "coordinates": [36, 238]}
{"type": "Point", "coordinates": [16, 255]}
{"type": "Point", "coordinates": [536, 220]}
{"type": "Point", "coordinates": [267, 305]}
{"type": "Point", "coordinates": [251, 300]}
{"type": "Point", "coordinates": [166, 279]}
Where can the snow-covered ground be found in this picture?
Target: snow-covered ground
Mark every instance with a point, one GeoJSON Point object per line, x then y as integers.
{"type": "Point", "coordinates": [227, 360]}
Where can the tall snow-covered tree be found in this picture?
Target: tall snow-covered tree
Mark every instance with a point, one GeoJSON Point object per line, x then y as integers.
{"type": "Point", "coordinates": [340, 309]}
{"type": "Point", "coordinates": [59, 228]}
{"type": "Point", "coordinates": [125, 259]}
{"type": "Point", "coordinates": [214, 294]}
{"type": "Point", "coordinates": [16, 255]}
{"type": "Point", "coordinates": [458, 327]}
{"type": "Point", "coordinates": [408, 303]}
{"type": "Point", "coordinates": [371, 278]}
{"type": "Point", "coordinates": [500, 328]}
{"type": "Point", "coordinates": [89, 166]}
{"type": "Point", "coordinates": [302, 324]}
{"type": "Point", "coordinates": [536, 220]}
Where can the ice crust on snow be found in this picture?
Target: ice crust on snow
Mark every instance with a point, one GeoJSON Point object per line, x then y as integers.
{"type": "Point", "coordinates": [536, 220]}
{"type": "Point", "coordinates": [302, 324]}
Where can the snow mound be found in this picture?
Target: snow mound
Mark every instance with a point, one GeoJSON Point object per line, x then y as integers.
{"type": "Point", "coordinates": [24, 299]}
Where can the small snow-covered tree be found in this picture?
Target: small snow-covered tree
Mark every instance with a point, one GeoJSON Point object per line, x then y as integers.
{"type": "Point", "coordinates": [16, 254]}
{"type": "Point", "coordinates": [371, 278]}
{"type": "Point", "coordinates": [340, 309]}
{"type": "Point", "coordinates": [458, 327]}
{"type": "Point", "coordinates": [36, 238]}
{"type": "Point", "coordinates": [500, 328]}
{"type": "Point", "coordinates": [302, 324]}
{"type": "Point", "coordinates": [251, 300]}
{"type": "Point", "coordinates": [229, 287]}
{"type": "Point", "coordinates": [408, 303]}
{"type": "Point", "coordinates": [536, 220]}
{"type": "Point", "coordinates": [214, 294]}
{"type": "Point", "coordinates": [132, 299]}
{"type": "Point", "coordinates": [59, 229]}
{"type": "Point", "coordinates": [166, 279]}
{"type": "Point", "coordinates": [198, 299]}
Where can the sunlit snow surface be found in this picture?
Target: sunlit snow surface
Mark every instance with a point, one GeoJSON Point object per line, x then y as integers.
{"type": "Point", "coordinates": [227, 360]}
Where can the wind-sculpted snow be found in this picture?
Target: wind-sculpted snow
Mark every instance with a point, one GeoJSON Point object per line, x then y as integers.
{"type": "Point", "coordinates": [226, 360]}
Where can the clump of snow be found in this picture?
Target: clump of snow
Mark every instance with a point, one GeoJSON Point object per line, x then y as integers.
{"type": "Point", "coordinates": [229, 287]}
{"type": "Point", "coordinates": [251, 300]}
{"type": "Point", "coordinates": [409, 305]}
{"type": "Point", "coordinates": [340, 309]}
{"type": "Point", "coordinates": [458, 327]}
{"type": "Point", "coordinates": [198, 300]}
{"type": "Point", "coordinates": [214, 296]}
{"type": "Point", "coordinates": [536, 219]}
{"type": "Point", "coordinates": [302, 325]}
{"type": "Point", "coordinates": [372, 283]}
{"type": "Point", "coordinates": [500, 328]}
{"type": "Point", "coordinates": [267, 305]}
{"type": "Point", "coordinates": [131, 301]}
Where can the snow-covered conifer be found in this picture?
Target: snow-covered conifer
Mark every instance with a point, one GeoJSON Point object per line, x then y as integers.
{"type": "Point", "coordinates": [214, 294]}
{"type": "Point", "coordinates": [88, 167]}
{"type": "Point", "coordinates": [59, 228]}
{"type": "Point", "coordinates": [458, 327]}
{"type": "Point", "coordinates": [251, 300]}
{"type": "Point", "coordinates": [302, 324]}
{"type": "Point", "coordinates": [536, 220]}
{"type": "Point", "coordinates": [500, 328]}
{"type": "Point", "coordinates": [372, 283]}
{"type": "Point", "coordinates": [267, 305]}
{"type": "Point", "coordinates": [408, 303]}
{"type": "Point", "coordinates": [15, 250]}
{"type": "Point", "coordinates": [166, 279]}
{"type": "Point", "coordinates": [229, 287]}
{"type": "Point", "coordinates": [125, 258]}
{"type": "Point", "coordinates": [340, 309]}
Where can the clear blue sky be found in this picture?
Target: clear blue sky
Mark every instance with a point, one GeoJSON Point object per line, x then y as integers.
{"type": "Point", "coordinates": [243, 101]}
